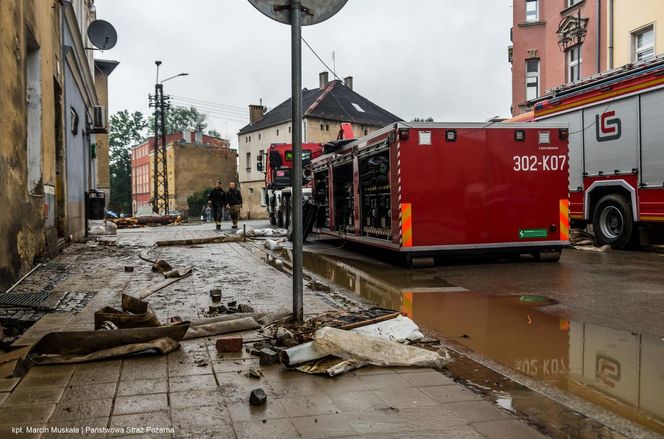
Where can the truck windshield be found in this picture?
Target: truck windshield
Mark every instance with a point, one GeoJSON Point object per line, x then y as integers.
{"type": "Point", "coordinates": [306, 155]}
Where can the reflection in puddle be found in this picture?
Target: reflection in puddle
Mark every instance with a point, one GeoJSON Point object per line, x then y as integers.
{"type": "Point", "coordinates": [618, 370]}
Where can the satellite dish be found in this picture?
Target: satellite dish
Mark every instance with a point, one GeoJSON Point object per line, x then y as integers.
{"type": "Point", "coordinates": [317, 10]}
{"type": "Point", "coordinates": [102, 34]}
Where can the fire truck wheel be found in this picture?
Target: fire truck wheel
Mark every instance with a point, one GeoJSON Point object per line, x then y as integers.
{"type": "Point", "coordinates": [548, 256]}
{"type": "Point", "coordinates": [287, 216]}
{"type": "Point", "coordinates": [613, 223]}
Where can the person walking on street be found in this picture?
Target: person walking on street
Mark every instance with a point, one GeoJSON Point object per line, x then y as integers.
{"type": "Point", "coordinates": [217, 200]}
{"type": "Point", "coordinates": [234, 201]}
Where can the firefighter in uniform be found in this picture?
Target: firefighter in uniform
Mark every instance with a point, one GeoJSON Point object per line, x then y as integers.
{"type": "Point", "coordinates": [234, 201]}
{"type": "Point", "coordinates": [217, 200]}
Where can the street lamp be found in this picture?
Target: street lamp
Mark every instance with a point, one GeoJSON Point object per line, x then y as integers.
{"type": "Point", "coordinates": [160, 176]}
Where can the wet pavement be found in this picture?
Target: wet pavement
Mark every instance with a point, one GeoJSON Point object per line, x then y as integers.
{"type": "Point", "coordinates": [196, 392]}
{"type": "Point", "coordinates": [589, 326]}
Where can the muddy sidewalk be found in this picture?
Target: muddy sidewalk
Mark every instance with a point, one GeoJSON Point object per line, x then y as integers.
{"type": "Point", "coordinates": [196, 391]}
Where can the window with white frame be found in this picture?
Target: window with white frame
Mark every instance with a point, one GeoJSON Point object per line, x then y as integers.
{"type": "Point", "coordinates": [644, 44]}
{"type": "Point", "coordinates": [532, 11]}
{"type": "Point", "coordinates": [532, 79]}
{"type": "Point", "coordinates": [571, 3]}
{"type": "Point", "coordinates": [574, 63]}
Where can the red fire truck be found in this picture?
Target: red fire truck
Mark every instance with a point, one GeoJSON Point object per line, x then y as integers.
{"type": "Point", "coordinates": [278, 169]}
{"type": "Point", "coordinates": [423, 189]}
{"type": "Point", "coordinates": [279, 179]}
{"type": "Point", "coordinates": [616, 141]}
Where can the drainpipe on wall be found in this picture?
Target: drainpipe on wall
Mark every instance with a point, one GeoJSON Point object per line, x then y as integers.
{"type": "Point", "coordinates": [610, 34]}
{"type": "Point", "coordinates": [598, 15]}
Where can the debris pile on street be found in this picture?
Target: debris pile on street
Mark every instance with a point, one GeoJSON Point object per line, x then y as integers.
{"type": "Point", "coordinates": [250, 232]}
{"type": "Point", "coordinates": [584, 240]}
{"type": "Point", "coordinates": [145, 220]}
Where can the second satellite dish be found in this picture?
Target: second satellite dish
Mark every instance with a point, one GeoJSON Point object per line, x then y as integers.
{"type": "Point", "coordinates": [102, 34]}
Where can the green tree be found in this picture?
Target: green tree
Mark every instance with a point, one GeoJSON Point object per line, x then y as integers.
{"type": "Point", "coordinates": [125, 130]}
{"type": "Point", "coordinates": [197, 201]}
{"type": "Point", "coordinates": [182, 119]}
{"type": "Point", "coordinates": [214, 133]}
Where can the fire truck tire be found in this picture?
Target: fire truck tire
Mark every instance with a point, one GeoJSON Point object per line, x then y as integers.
{"type": "Point", "coordinates": [548, 256]}
{"type": "Point", "coordinates": [287, 215]}
{"type": "Point", "coordinates": [613, 222]}
{"type": "Point", "coordinates": [420, 261]}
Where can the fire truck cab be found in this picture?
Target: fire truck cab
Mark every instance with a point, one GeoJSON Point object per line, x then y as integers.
{"type": "Point", "coordinates": [279, 179]}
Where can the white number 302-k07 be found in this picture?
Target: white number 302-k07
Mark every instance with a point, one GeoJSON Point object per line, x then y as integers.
{"type": "Point", "coordinates": [525, 163]}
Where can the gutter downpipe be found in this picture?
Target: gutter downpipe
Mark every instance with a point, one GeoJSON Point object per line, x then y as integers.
{"type": "Point", "coordinates": [610, 34]}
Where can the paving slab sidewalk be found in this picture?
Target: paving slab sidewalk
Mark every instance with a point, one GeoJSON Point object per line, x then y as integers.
{"type": "Point", "coordinates": [179, 396]}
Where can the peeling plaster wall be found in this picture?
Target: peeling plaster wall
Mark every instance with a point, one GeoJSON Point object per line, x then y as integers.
{"type": "Point", "coordinates": [23, 212]}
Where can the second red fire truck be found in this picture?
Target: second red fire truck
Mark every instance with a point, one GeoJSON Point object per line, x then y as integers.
{"type": "Point", "coordinates": [616, 141]}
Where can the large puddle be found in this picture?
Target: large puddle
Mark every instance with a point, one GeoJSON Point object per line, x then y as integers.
{"type": "Point", "coordinates": [620, 371]}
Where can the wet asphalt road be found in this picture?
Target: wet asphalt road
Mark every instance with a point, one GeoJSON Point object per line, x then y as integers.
{"type": "Point", "coordinates": [622, 290]}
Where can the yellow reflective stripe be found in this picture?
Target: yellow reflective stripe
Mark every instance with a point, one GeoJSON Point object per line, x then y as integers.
{"type": "Point", "coordinates": [564, 220]}
{"type": "Point", "coordinates": [406, 225]}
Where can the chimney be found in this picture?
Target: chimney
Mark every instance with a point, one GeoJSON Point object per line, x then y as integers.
{"type": "Point", "coordinates": [186, 136]}
{"type": "Point", "coordinates": [322, 78]}
{"type": "Point", "coordinates": [199, 137]}
{"type": "Point", "coordinates": [256, 112]}
{"type": "Point", "coordinates": [348, 82]}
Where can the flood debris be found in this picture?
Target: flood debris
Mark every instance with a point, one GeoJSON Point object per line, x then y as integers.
{"type": "Point", "coordinates": [268, 357]}
{"type": "Point", "coordinates": [12, 364]}
{"type": "Point", "coordinates": [163, 284]}
{"type": "Point", "coordinates": [256, 233]}
{"type": "Point", "coordinates": [107, 325]}
{"type": "Point", "coordinates": [85, 346]}
{"type": "Point", "coordinates": [221, 327]}
{"type": "Point", "coordinates": [133, 316]}
{"type": "Point", "coordinates": [197, 241]}
{"type": "Point", "coordinates": [361, 348]}
{"type": "Point", "coordinates": [229, 344]}
{"type": "Point", "coordinates": [215, 295]}
{"type": "Point", "coordinates": [255, 372]}
{"type": "Point", "coordinates": [257, 397]}
{"type": "Point", "coordinates": [340, 343]}
{"type": "Point", "coordinates": [161, 266]}
{"type": "Point", "coordinates": [101, 227]}
{"type": "Point", "coordinates": [273, 245]}
{"type": "Point", "coordinates": [584, 240]}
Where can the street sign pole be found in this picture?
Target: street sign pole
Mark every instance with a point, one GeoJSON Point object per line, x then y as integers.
{"type": "Point", "coordinates": [296, 108]}
{"type": "Point", "coordinates": [297, 14]}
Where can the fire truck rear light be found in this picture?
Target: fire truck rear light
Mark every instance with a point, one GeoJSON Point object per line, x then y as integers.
{"type": "Point", "coordinates": [563, 134]}
{"type": "Point", "coordinates": [520, 135]}
{"type": "Point", "coordinates": [404, 133]}
{"type": "Point", "coordinates": [450, 135]}
{"type": "Point", "coordinates": [553, 228]}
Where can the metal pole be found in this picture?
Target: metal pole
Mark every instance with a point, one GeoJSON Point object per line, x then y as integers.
{"type": "Point", "coordinates": [162, 106]}
{"type": "Point", "coordinates": [296, 74]}
{"type": "Point", "coordinates": [155, 178]}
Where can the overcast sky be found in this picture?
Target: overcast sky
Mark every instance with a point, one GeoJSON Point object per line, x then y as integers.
{"type": "Point", "coordinates": [441, 58]}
